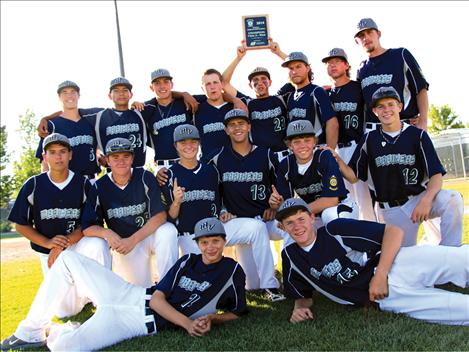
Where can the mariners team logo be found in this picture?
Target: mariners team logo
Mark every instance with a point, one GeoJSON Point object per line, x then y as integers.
{"type": "Point", "coordinates": [298, 127]}
{"type": "Point", "coordinates": [333, 183]}
{"type": "Point", "coordinates": [206, 226]}
{"type": "Point", "coordinates": [186, 131]}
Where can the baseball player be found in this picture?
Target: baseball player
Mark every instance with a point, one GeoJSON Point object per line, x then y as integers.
{"type": "Point", "coordinates": [47, 211]}
{"type": "Point", "coordinates": [267, 113]}
{"type": "Point", "coordinates": [313, 174]}
{"type": "Point", "coordinates": [189, 296]}
{"type": "Point", "coordinates": [358, 263]}
{"type": "Point", "coordinates": [118, 122]}
{"type": "Point", "coordinates": [247, 173]}
{"type": "Point", "coordinates": [128, 200]}
{"type": "Point", "coordinates": [162, 115]}
{"type": "Point", "coordinates": [347, 100]}
{"type": "Point", "coordinates": [404, 174]}
{"type": "Point", "coordinates": [79, 132]}
{"type": "Point", "coordinates": [309, 101]}
{"type": "Point", "coordinates": [195, 185]}
{"type": "Point", "coordinates": [390, 67]}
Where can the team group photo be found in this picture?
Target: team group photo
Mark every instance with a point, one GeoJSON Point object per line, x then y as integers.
{"type": "Point", "coordinates": [293, 201]}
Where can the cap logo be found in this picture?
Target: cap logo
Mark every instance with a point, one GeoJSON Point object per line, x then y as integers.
{"type": "Point", "coordinates": [362, 23]}
{"type": "Point", "coordinates": [288, 203]}
{"type": "Point", "coordinates": [334, 52]}
{"type": "Point", "coordinates": [186, 130]}
{"type": "Point", "coordinates": [206, 226]}
{"type": "Point", "coordinates": [298, 127]}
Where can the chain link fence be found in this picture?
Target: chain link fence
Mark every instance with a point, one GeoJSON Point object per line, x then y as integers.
{"type": "Point", "coordinates": [452, 147]}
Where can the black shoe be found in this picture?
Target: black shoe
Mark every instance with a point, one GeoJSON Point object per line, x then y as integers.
{"type": "Point", "coordinates": [274, 295]}
{"type": "Point", "coordinates": [14, 343]}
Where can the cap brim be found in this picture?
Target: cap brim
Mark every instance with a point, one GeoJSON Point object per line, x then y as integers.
{"type": "Point", "coordinates": [154, 79]}
{"type": "Point", "coordinates": [287, 138]}
{"type": "Point", "coordinates": [62, 88]}
{"type": "Point", "coordinates": [364, 29]}
{"type": "Point", "coordinates": [210, 235]}
{"type": "Point", "coordinates": [65, 144]}
{"type": "Point", "coordinates": [120, 151]}
{"type": "Point", "coordinates": [281, 214]}
{"type": "Point", "coordinates": [252, 75]}
{"type": "Point", "coordinates": [129, 86]}
{"type": "Point", "coordinates": [225, 122]}
{"type": "Point", "coordinates": [331, 57]}
{"type": "Point", "coordinates": [285, 64]}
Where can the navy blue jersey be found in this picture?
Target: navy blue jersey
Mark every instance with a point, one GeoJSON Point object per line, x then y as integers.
{"type": "Point", "coordinates": [209, 121]}
{"type": "Point", "coordinates": [348, 104]}
{"type": "Point", "coordinates": [396, 68]}
{"type": "Point", "coordinates": [50, 210]}
{"type": "Point", "coordinates": [110, 123]}
{"type": "Point", "coordinates": [246, 180]}
{"type": "Point", "coordinates": [82, 140]}
{"type": "Point", "coordinates": [340, 264]}
{"type": "Point", "coordinates": [196, 289]}
{"type": "Point", "coordinates": [126, 210]}
{"type": "Point", "coordinates": [321, 179]}
{"type": "Point", "coordinates": [161, 121]}
{"type": "Point", "coordinates": [201, 196]}
{"type": "Point", "coordinates": [398, 167]}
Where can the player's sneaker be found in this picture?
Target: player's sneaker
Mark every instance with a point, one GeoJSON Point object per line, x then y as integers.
{"type": "Point", "coordinates": [14, 343]}
{"type": "Point", "coordinates": [274, 295]}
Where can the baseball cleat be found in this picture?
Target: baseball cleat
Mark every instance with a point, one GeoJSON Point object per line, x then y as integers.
{"type": "Point", "coordinates": [14, 343]}
{"type": "Point", "coordinates": [274, 295]}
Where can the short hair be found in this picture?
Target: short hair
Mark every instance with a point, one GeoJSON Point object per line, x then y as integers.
{"type": "Point", "coordinates": [211, 71]}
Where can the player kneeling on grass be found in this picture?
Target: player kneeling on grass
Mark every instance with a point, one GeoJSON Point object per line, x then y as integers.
{"type": "Point", "coordinates": [47, 212]}
{"type": "Point", "coordinates": [353, 262]}
{"type": "Point", "coordinates": [189, 296]}
{"type": "Point", "coordinates": [405, 175]}
{"type": "Point", "coordinates": [314, 175]}
{"type": "Point", "coordinates": [128, 200]}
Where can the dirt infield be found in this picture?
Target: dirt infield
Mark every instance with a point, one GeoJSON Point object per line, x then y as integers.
{"type": "Point", "coordinates": [16, 249]}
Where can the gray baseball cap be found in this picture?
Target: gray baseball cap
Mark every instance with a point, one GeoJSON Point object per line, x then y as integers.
{"type": "Point", "coordinates": [119, 145]}
{"type": "Point", "coordinates": [236, 114]}
{"type": "Point", "coordinates": [290, 204]}
{"type": "Point", "coordinates": [295, 56]}
{"type": "Point", "coordinates": [67, 84]}
{"type": "Point", "coordinates": [209, 227]}
{"type": "Point", "coordinates": [336, 52]}
{"type": "Point", "coordinates": [366, 23]}
{"type": "Point", "coordinates": [300, 128]}
{"type": "Point", "coordinates": [120, 81]}
{"type": "Point", "coordinates": [56, 138]}
{"type": "Point", "coordinates": [258, 71]}
{"type": "Point", "coordinates": [186, 131]}
{"type": "Point", "coordinates": [384, 92]}
{"type": "Point", "coordinates": [159, 73]}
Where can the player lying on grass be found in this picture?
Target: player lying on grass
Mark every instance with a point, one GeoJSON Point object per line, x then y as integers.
{"type": "Point", "coordinates": [188, 296]}
{"type": "Point", "coordinates": [355, 262]}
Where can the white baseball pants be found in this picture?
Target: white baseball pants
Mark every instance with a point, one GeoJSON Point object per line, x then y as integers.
{"type": "Point", "coordinates": [136, 268]}
{"type": "Point", "coordinates": [414, 272]}
{"type": "Point", "coordinates": [251, 240]}
{"type": "Point", "coordinates": [120, 312]}
{"type": "Point", "coordinates": [91, 247]}
{"type": "Point", "coordinates": [448, 205]}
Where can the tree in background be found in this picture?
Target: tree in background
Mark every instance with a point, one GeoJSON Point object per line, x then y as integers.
{"type": "Point", "coordinates": [443, 118]}
{"type": "Point", "coordinates": [5, 180]}
{"type": "Point", "coordinates": [27, 165]}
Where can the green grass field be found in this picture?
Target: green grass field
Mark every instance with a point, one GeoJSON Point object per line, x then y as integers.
{"type": "Point", "coordinates": [266, 327]}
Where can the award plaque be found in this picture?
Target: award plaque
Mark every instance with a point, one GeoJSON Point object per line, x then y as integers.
{"type": "Point", "coordinates": [256, 31]}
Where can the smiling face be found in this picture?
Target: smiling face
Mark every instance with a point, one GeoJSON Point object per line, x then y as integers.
{"type": "Point", "coordinates": [260, 84]}
{"type": "Point", "coordinates": [238, 130]}
{"type": "Point", "coordinates": [162, 87]}
{"type": "Point", "coordinates": [121, 96]}
{"type": "Point", "coordinates": [387, 110]}
{"type": "Point", "coordinates": [303, 148]}
{"type": "Point", "coordinates": [69, 97]}
{"type": "Point", "coordinates": [120, 163]}
{"type": "Point", "coordinates": [211, 248]}
{"type": "Point", "coordinates": [299, 226]}
{"type": "Point", "coordinates": [57, 156]}
{"type": "Point", "coordinates": [187, 149]}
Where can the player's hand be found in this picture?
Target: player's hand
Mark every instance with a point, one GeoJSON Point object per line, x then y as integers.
{"type": "Point", "coordinates": [59, 241]}
{"type": "Point", "coordinates": [421, 211]}
{"type": "Point", "coordinates": [378, 288]}
{"type": "Point", "coordinates": [126, 245]}
{"type": "Point", "coordinates": [269, 214]}
{"type": "Point", "coordinates": [53, 255]}
{"type": "Point", "coordinates": [113, 239]}
{"type": "Point", "coordinates": [42, 129]}
{"type": "Point", "coordinates": [327, 87]}
{"type": "Point", "coordinates": [241, 50]}
{"type": "Point", "coordinates": [190, 102]}
{"type": "Point", "coordinates": [333, 152]}
{"type": "Point", "coordinates": [274, 47]}
{"type": "Point", "coordinates": [204, 324]}
{"type": "Point", "coordinates": [275, 199]}
{"type": "Point", "coordinates": [238, 104]}
{"type": "Point", "coordinates": [193, 329]}
{"type": "Point", "coordinates": [136, 105]}
{"type": "Point", "coordinates": [162, 176]}
{"type": "Point", "coordinates": [226, 216]}
{"type": "Point", "coordinates": [178, 192]}
{"type": "Point", "coordinates": [102, 160]}
{"type": "Point", "coordinates": [301, 314]}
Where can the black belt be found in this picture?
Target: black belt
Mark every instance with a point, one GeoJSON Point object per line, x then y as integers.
{"type": "Point", "coordinates": [151, 325]}
{"type": "Point", "coordinates": [393, 203]}
{"type": "Point", "coordinates": [344, 145]}
{"type": "Point", "coordinates": [162, 162]}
